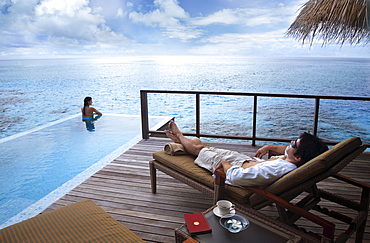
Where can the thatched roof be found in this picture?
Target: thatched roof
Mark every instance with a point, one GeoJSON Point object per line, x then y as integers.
{"type": "Point", "coordinates": [333, 21]}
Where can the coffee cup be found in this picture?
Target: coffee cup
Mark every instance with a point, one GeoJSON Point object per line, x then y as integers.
{"type": "Point", "coordinates": [225, 207]}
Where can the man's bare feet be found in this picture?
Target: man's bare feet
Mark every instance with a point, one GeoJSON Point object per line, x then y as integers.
{"type": "Point", "coordinates": [170, 135]}
{"type": "Point", "coordinates": [174, 129]}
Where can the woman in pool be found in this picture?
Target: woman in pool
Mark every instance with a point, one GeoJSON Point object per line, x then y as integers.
{"type": "Point", "coordinates": [87, 111]}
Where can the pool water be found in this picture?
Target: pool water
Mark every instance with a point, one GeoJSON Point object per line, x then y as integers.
{"type": "Point", "coordinates": [41, 165]}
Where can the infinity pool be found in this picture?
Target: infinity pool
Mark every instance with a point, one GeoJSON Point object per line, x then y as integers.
{"type": "Point", "coordinates": [38, 167]}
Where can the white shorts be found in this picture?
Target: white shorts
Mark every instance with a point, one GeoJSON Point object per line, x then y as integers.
{"type": "Point", "coordinates": [209, 158]}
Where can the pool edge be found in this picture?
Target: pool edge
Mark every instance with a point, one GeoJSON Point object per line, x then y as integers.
{"type": "Point", "coordinates": [40, 205]}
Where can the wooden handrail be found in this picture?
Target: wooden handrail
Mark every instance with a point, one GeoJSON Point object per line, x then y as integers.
{"type": "Point", "coordinates": [351, 181]}
{"type": "Point", "coordinates": [145, 116]}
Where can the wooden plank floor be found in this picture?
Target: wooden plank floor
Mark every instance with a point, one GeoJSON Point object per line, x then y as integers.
{"type": "Point", "coordinates": [122, 188]}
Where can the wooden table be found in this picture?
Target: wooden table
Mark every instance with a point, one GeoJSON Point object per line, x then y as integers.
{"type": "Point", "coordinates": [261, 229]}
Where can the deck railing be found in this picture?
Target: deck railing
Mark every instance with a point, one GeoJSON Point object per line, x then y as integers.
{"type": "Point", "coordinates": [145, 116]}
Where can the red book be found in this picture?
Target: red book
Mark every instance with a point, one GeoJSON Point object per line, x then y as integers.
{"type": "Point", "coordinates": [197, 223]}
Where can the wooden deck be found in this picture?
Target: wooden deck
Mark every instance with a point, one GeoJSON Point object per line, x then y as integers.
{"type": "Point", "coordinates": [122, 188]}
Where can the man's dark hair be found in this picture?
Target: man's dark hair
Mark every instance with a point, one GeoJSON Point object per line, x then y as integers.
{"type": "Point", "coordinates": [309, 147]}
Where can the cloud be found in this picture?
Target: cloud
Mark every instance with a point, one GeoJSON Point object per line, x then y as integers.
{"type": "Point", "coordinates": [176, 23]}
{"type": "Point", "coordinates": [119, 12]}
{"type": "Point", "coordinates": [58, 18]}
{"type": "Point", "coordinates": [108, 9]}
{"type": "Point", "coordinates": [247, 16]}
{"type": "Point", "coordinates": [241, 44]}
{"type": "Point", "coordinates": [224, 16]}
{"type": "Point", "coordinates": [73, 27]}
{"type": "Point", "coordinates": [49, 25]}
{"type": "Point", "coordinates": [169, 16]}
{"type": "Point", "coordinates": [273, 43]}
{"type": "Point", "coordinates": [263, 32]}
{"type": "Point", "coordinates": [183, 33]}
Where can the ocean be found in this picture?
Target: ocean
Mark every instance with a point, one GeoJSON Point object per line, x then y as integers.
{"type": "Point", "coordinates": [36, 92]}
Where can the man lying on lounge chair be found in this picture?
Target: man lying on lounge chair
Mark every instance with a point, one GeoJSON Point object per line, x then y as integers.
{"type": "Point", "coordinates": [244, 170]}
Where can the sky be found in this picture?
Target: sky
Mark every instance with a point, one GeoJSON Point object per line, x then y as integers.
{"type": "Point", "coordinates": [83, 28]}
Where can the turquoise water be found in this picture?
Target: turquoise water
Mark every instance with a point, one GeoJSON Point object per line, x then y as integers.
{"type": "Point", "coordinates": [34, 92]}
{"type": "Point", "coordinates": [48, 161]}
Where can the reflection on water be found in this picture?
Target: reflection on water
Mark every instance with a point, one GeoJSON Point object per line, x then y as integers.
{"type": "Point", "coordinates": [90, 122]}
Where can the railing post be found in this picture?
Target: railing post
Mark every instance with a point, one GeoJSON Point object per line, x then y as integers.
{"type": "Point", "coordinates": [197, 114]}
{"type": "Point", "coordinates": [254, 126]}
{"type": "Point", "coordinates": [144, 115]}
{"type": "Point", "coordinates": [316, 117]}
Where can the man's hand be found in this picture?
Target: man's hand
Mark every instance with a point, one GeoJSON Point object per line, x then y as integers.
{"type": "Point", "coordinates": [262, 151]}
{"type": "Point", "coordinates": [224, 165]}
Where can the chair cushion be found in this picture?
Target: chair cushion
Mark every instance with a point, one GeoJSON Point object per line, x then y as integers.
{"type": "Point", "coordinates": [185, 165]}
{"type": "Point", "coordinates": [83, 221]}
{"type": "Point", "coordinates": [310, 169]}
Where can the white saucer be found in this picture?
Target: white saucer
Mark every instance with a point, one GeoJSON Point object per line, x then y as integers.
{"type": "Point", "coordinates": [218, 214]}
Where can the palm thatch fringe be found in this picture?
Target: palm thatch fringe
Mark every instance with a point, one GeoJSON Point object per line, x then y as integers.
{"type": "Point", "coordinates": [333, 21]}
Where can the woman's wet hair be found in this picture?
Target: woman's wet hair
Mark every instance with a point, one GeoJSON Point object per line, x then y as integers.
{"type": "Point", "coordinates": [309, 147]}
{"type": "Point", "coordinates": [86, 103]}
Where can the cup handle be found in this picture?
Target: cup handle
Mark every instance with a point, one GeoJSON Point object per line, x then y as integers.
{"type": "Point", "coordinates": [232, 207]}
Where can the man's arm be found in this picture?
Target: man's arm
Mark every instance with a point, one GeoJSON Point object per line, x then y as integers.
{"type": "Point", "coordinates": [261, 174]}
{"type": "Point", "coordinates": [273, 148]}
{"type": "Point", "coordinates": [224, 165]}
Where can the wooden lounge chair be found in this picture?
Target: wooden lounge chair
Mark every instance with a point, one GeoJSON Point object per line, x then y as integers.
{"type": "Point", "coordinates": [302, 181]}
{"type": "Point", "coordinates": [83, 221]}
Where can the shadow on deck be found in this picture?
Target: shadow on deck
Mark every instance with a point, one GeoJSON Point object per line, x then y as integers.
{"type": "Point", "coordinates": [122, 188]}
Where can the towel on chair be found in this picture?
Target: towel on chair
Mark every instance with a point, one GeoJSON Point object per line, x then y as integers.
{"type": "Point", "coordinates": [177, 148]}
